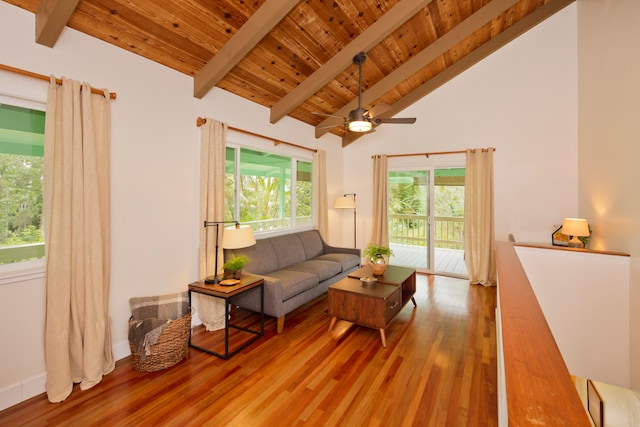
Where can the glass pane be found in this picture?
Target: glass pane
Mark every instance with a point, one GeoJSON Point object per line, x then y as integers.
{"type": "Point", "coordinates": [409, 217]}
{"type": "Point", "coordinates": [449, 221]}
{"type": "Point", "coordinates": [230, 185]}
{"type": "Point", "coordinates": [303, 193]}
{"type": "Point", "coordinates": [265, 190]}
{"type": "Point", "coordinates": [21, 175]}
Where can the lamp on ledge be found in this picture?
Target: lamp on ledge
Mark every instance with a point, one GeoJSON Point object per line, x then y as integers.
{"type": "Point", "coordinates": [348, 201]}
{"type": "Point", "coordinates": [574, 228]}
{"type": "Point", "coordinates": [234, 238]}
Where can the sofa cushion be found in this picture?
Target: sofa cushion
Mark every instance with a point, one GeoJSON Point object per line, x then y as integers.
{"type": "Point", "coordinates": [294, 282]}
{"type": "Point", "coordinates": [288, 250]}
{"type": "Point", "coordinates": [347, 261]}
{"type": "Point", "coordinates": [262, 256]}
{"type": "Point", "coordinates": [312, 243]}
{"type": "Point", "coordinates": [323, 269]}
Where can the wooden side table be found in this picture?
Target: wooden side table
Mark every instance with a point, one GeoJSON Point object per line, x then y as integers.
{"type": "Point", "coordinates": [372, 305]}
{"type": "Point", "coordinates": [247, 283]}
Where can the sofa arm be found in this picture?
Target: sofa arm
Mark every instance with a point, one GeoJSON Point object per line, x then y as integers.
{"type": "Point", "coordinates": [337, 250]}
{"type": "Point", "coordinates": [272, 297]}
{"type": "Point", "coordinates": [272, 294]}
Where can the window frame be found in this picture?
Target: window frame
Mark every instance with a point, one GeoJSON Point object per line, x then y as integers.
{"type": "Point", "coordinates": [295, 155]}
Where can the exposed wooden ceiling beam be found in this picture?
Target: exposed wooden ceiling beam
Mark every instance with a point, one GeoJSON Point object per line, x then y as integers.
{"type": "Point", "coordinates": [422, 59]}
{"type": "Point", "coordinates": [509, 34]}
{"type": "Point", "coordinates": [249, 35]}
{"type": "Point", "coordinates": [370, 37]}
{"type": "Point", "coordinates": [51, 18]}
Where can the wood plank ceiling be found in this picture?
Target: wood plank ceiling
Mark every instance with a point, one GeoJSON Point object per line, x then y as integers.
{"type": "Point", "coordinates": [296, 56]}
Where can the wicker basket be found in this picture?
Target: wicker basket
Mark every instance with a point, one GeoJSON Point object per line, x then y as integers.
{"type": "Point", "coordinates": [170, 348]}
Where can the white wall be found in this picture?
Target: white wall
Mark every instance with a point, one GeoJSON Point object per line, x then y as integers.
{"type": "Point", "coordinates": [155, 166]}
{"type": "Point", "coordinates": [522, 101]}
{"type": "Point", "coordinates": [609, 133]}
{"type": "Point", "coordinates": [583, 297]}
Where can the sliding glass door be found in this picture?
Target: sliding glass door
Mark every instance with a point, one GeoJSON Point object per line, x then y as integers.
{"type": "Point", "coordinates": [410, 227]}
{"type": "Point", "coordinates": [426, 219]}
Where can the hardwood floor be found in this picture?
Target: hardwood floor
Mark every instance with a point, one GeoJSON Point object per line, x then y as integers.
{"type": "Point", "coordinates": [439, 369]}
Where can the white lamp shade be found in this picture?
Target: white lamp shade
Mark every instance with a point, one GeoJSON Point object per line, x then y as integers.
{"type": "Point", "coordinates": [575, 227]}
{"type": "Point", "coordinates": [345, 202]}
{"type": "Point", "coordinates": [359, 126]}
{"type": "Point", "coordinates": [238, 237]}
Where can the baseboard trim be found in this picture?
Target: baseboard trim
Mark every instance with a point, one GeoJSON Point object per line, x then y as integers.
{"type": "Point", "coordinates": [30, 387]}
{"type": "Point", "coordinates": [19, 392]}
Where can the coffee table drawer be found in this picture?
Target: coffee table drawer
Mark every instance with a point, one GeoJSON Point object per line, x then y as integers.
{"type": "Point", "coordinates": [393, 304]}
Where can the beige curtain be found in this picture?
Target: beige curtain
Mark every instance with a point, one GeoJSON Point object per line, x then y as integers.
{"type": "Point", "coordinates": [77, 223]}
{"type": "Point", "coordinates": [380, 228]}
{"type": "Point", "coordinates": [213, 137]}
{"type": "Point", "coordinates": [479, 238]}
{"type": "Point", "coordinates": [319, 180]}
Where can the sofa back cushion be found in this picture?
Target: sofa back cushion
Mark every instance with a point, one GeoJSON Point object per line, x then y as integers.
{"type": "Point", "coordinates": [262, 256]}
{"type": "Point", "coordinates": [278, 252]}
{"type": "Point", "coordinates": [288, 250]}
{"type": "Point", "coordinates": [312, 243]}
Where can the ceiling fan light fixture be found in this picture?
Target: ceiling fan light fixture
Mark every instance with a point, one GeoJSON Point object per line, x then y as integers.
{"type": "Point", "coordinates": [360, 126]}
{"type": "Point", "coordinates": [358, 122]}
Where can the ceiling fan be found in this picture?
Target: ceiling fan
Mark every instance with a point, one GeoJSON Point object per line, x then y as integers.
{"type": "Point", "coordinates": [361, 120]}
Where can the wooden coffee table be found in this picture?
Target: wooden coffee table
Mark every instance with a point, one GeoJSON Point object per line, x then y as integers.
{"type": "Point", "coordinates": [404, 277]}
{"type": "Point", "coordinates": [372, 305]}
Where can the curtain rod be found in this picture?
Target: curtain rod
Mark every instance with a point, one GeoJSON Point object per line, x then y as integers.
{"type": "Point", "coordinates": [112, 95]}
{"type": "Point", "coordinates": [436, 153]}
{"type": "Point", "coordinates": [200, 121]}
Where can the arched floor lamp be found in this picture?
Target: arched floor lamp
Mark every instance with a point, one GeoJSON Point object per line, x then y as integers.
{"type": "Point", "coordinates": [348, 201]}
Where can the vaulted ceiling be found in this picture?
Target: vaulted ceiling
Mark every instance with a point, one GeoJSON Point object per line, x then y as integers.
{"type": "Point", "coordinates": [296, 56]}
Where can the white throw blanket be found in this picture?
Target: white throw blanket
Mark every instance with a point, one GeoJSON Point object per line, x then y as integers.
{"type": "Point", "coordinates": [211, 312]}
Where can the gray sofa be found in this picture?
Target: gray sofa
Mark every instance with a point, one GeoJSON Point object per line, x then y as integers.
{"type": "Point", "coordinates": [296, 267]}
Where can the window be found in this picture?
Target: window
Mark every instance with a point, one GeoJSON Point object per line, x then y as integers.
{"type": "Point", "coordinates": [266, 190]}
{"type": "Point", "coordinates": [21, 170]}
{"type": "Point", "coordinates": [303, 193]}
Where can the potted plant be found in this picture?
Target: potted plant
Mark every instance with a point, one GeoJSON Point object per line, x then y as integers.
{"type": "Point", "coordinates": [378, 257]}
{"type": "Point", "coordinates": [233, 266]}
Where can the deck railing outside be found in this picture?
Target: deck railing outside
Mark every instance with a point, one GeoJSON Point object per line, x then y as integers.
{"type": "Point", "coordinates": [10, 254]}
{"type": "Point", "coordinates": [412, 230]}
{"type": "Point", "coordinates": [278, 223]}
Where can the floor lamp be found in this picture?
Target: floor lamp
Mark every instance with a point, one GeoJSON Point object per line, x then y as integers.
{"type": "Point", "coordinates": [234, 238]}
{"type": "Point", "coordinates": [348, 201]}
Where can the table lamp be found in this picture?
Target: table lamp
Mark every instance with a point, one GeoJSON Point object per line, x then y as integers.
{"type": "Point", "coordinates": [234, 238]}
{"type": "Point", "coordinates": [574, 228]}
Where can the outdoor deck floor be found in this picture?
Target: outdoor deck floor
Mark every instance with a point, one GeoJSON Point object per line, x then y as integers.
{"type": "Point", "coordinates": [447, 261]}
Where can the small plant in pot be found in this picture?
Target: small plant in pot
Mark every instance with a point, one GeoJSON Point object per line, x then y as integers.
{"type": "Point", "coordinates": [378, 257]}
{"type": "Point", "coordinates": [234, 265]}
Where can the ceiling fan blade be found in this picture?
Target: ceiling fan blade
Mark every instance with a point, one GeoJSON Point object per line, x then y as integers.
{"type": "Point", "coordinates": [331, 126]}
{"type": "Point", "coordinates": [397, 120]}
{"type": "Point", "coordinates": [327, 115]}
